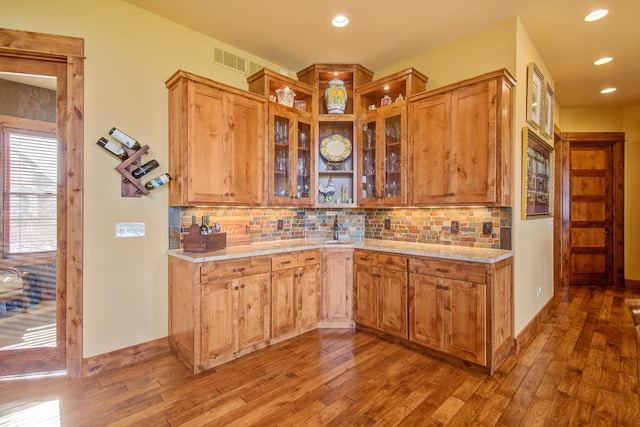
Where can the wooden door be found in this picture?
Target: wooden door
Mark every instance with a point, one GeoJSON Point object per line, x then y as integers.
{"type": "Point", "coordinates": [218, 320]}
{"type": "Point", "coordinates": [392, 302]}
{"type": "Point", "coordinates": [591, 214]}
{"type": "Point", "coordinates": [254, 309]}
{"type": "Point", "coordinates": [425, 310]}
{"type": "Point", "coordinates": [337, 285]}
{"type": "Point", "coordinates": [430, 141]}
{"type": "Point", "coordinates": [283, 302]}
{"type": "Point", "coordinates": [464, 320]}
{"type": "Point", "coordinates": [473, 144]}
{"type": "Point", "coordinates": [366, 295]}
{"type": "Point", "coordinates": [308, 295]}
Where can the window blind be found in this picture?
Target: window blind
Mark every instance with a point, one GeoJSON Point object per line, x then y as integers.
{"type": "Point", "coordinates": [31, 186]}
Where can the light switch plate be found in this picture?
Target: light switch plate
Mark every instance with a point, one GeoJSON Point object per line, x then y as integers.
{"type": "Point", "coordinates": [130, 229]}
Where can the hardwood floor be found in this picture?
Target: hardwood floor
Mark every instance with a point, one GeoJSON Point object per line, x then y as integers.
{"type": "Point", "coordinates": [580, 369]}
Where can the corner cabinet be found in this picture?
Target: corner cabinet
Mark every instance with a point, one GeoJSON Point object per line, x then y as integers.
{"type": "Point", "coordinates": [462, 309]}
{"type": "Point", "coordinates": [336, 130]}
{"type": "Point", "coordinates": [216, 143]}
{"type": "Point", "coordinates": [291, 139]}
{"type": "Point", "coordinates": [382, 126]}
{"type": "Point", "coordinates": [461, 143]}
{"type": "Point", "coordinates": [219, 310]}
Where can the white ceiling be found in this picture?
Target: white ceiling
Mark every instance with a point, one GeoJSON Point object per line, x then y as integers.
{"type": "Point", "coordinates": [297, 33]}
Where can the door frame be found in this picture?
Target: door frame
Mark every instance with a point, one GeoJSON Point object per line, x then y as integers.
{"type": "Point", "coordinates": [562, 208]}
{"type": "Point", "coordinates": [68, 51]}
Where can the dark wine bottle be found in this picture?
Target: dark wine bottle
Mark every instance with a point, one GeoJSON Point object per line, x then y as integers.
{"type": "Point", "coordinates": [124, 138]}
{"type": "Point", "coordinates": [114, 149]}
{"type": "Point", "coordinates": [204, 229]}
{"type": "Point", "coordinates": [158, 181]}
{"type": "Point", "coordinates": [145, 169]}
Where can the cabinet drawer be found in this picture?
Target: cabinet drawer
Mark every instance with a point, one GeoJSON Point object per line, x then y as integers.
{"type": "Point", "coordinates": [365, 258]}
{"type": "Point", "coordinates": [234, 268]}
{"type": "Point", "coordinates": [308, 258]}
{"type": "Point", "coordinates": [392, 262]}
{"type": "Point", "coordinates": [280, 262]}
{"type": "Point", "coordinates": [448, 269]}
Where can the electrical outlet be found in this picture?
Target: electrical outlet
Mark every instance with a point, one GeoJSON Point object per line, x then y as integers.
{"type": "Point", "coordinates": [280, 224]}
{"type": "Point", "coordinates": [387, 224]}
{"type": "Point", "coordinates": [538, 292]}
{"type": "Point", "coordinates": [487, 227]}
{"type": "Point", "coordinates": [455, 226]}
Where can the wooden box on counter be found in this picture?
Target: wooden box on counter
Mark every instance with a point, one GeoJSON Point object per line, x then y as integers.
{"type": "Point", "coordinates": [196, 242]}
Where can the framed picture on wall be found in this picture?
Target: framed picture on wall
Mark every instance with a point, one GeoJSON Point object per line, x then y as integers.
{"type": "Point", "coordinates": [537, 176]}
{"type": "Point", "coordinates": [535, 93]}
{"type": "Point", "coordinates": [547, 117]}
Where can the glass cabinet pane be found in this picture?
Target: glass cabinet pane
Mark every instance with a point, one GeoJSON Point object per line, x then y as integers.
{"type": "Point", "coordinates": [368, 159]}
{"type": "Point", "coordinates": [303, 165]}
{"type": "Point", "coordinates": [281, 156]}
{"type": "Point", "coordinates": [393, 156]}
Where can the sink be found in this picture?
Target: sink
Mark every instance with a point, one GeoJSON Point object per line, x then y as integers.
{"type": "Point", "coordinates": [337, 242]}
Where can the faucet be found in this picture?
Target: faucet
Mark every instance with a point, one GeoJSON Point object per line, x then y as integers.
{"type": "Point", "coordinates": [335, 228]}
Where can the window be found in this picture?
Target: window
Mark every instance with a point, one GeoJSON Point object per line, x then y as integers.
{"type": "Point", "coordinates": [30, 184]}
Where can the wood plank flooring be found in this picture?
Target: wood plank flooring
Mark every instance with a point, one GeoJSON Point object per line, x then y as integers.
{"type": "Point", "coordinates": [580, 369]}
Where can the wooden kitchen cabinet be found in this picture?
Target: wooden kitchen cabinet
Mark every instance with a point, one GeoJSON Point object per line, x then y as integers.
{"type": "Point", "coordinates": [291, 139]}
{"type": "Point", "coordinates": [216, 143]}
{"type": "Point", "coordinates": [295, 293]}
{"type": "Point", "coordinates": [337, 288]}
{"type": "Point", "coordinates": [380, 282]}
{"type": "Point", "coordinates": [461, 143]}
{"type": "Point", "coordinates": [219, 310]}
{"type": "Point", "coordinates": [382, 160]}
{"type": "Point", "coordinates": [462, 309]}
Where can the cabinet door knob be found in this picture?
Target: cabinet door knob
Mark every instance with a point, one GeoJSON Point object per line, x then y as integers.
{"type": "Point", "coordinates": [235, 288]}
{"type": "Point", "coordinates": [242, 286]}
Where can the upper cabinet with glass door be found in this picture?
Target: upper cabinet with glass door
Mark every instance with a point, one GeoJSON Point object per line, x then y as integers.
{"type": "Point", "coordinates": [290, 165]}
{"type": "Point", "coordinates": [382, 125]}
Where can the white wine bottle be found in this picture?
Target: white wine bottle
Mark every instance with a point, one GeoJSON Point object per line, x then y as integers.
{"type": "Point", "coordinates": [124, 138]}
{"type": "Point", "coordinates": [158, 181]}
{"type": "Point", "coordinates": [114, 149]}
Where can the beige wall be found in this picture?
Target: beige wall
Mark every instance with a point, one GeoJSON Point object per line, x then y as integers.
{"type": "Point", "coordinates": [625, 120]}
{"type": "Point", "coordinates": [129, 55]}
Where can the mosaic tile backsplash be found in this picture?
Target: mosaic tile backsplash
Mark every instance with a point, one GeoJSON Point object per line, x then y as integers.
{"type": "Point", "coordinates": [423, 225]}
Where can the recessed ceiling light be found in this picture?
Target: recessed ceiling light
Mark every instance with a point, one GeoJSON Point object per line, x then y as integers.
{"type": "Point", "coordinates": [340, 21]}
{"type": "Point", "coordinates": [608, 90]}
{"type": "Point", "coordinates": [602, 61]}
{"type": "Point", "coordinates": [596, 14]}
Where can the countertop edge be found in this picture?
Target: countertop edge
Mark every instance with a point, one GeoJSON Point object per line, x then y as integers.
{"type": "Point", "coordinates": [480, 255]}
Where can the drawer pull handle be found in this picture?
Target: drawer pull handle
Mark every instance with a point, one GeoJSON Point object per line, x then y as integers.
{"type": "Point", "coordinates": [310, 258]}
{"type": "Point", "coordinates": [238, 270]}
{"type": "Point", "coordinates": [285, 262]}
{"type": "Point", "coordinates": [365, 259]}
{"type": "Point", "coordinates": [443, 270]}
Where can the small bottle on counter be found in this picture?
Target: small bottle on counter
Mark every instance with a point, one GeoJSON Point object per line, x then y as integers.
{"type": "Point", "coordinates": [124, 138]}
{"type": "Point", "coordinates": [204, 229]}
{"type": "Point", "coordinates": [113, 148]}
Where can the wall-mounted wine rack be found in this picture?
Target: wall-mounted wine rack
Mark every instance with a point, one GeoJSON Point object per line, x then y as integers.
{"type": "Point", "coordinates": [132, 187]}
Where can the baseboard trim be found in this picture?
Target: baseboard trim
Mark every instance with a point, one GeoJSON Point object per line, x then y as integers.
{"type": "Point", "coordinates": [634, 284]}
{"type": "Point", "coordinates": [125, 356]}
{"type": "Point", "coordinates": [528, 332]}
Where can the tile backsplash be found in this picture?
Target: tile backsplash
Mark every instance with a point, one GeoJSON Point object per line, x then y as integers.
{"type": "Point", "coordinates": [423, 225]}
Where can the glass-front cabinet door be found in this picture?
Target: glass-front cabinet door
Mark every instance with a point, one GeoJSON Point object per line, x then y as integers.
{"type": "Point", "coordinates": [290, 158]}
{"type": "Point", "coordinates": [382, 168]}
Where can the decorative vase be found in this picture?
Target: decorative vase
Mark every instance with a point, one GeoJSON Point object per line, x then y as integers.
{"type": "Point", "coordinates": [285, 96]}
{"type": "Point", "coordinates": [335, 96]}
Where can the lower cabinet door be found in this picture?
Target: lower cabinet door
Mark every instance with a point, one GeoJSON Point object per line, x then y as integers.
{"type": "Point", "coordinates": [283, 301]}
{"type": "Point", "coordinates": [218, 319]}
{"type": "Point", "coordinates": [425, 311]}
{"type": "Point", "coordinates": [465, 320]}
{"type": "Point", "coordinates": [366, 296]}
{"type": "Point", "coordinates": [254, 310]}
{"type": "Point", "coordinates": [308, 295]}
{"type": "Point", "coordinates": [392, 302]}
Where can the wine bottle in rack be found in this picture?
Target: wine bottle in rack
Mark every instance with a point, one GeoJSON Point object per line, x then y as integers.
{"type": "Point", "coordinates": [124, 138]}
{"type": "Point", "coordinates": [158, 181]}
{"type": "Point", "coordinates": [145, 169]}
{"type": "Point", "coordinates": [113, 148]}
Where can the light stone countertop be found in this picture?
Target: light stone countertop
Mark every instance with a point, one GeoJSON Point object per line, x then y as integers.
{"type": "Point", "coordinates": [459, 253]}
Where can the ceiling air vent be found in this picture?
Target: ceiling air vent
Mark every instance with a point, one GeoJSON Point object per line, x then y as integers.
{"type": "Point", "coordinates": [229, 59]}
